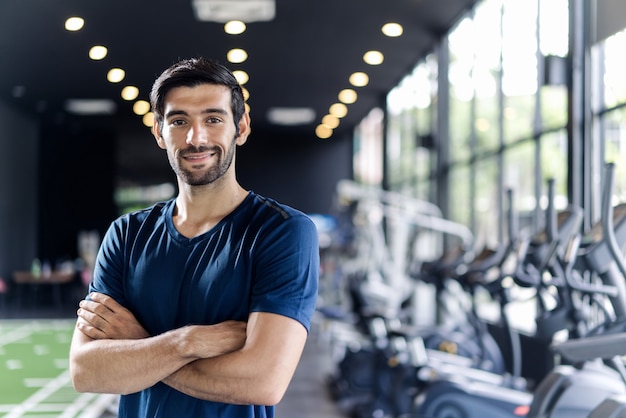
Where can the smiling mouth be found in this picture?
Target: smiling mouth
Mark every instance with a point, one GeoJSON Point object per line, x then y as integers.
{"type": "Point", "coordinates": [198, 157]}
{"type": "Point", "coordinates": [195, 155]}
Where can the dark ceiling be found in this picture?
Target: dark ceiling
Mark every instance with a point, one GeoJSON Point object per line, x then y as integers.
{"type": "Point", "coordinates": [301, 58]}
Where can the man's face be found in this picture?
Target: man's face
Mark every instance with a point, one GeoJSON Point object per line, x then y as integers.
{"type": "Point", "coordinates": [199, 133]}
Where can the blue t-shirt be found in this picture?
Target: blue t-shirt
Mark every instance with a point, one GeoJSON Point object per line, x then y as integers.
{"type": "Point", "coordinates": [262, 257]}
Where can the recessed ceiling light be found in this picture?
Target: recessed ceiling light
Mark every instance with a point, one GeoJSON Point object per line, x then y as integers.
{"type": "Point", "coordinates": [241, 76]}
{"type": "Point", "coordinates": [236, 56]}
{"type": "Point", "coordinates": [90, 106]}
{"type": "Point", "coordinates": [234, 27]}
{"type": "Point", "coordinates": [98, 52]}
{"type": "Point", "coordinates": [373, 57]}
{"type": "Point", "coordinates": [347, 96]}
{"type": "Point", "coordinates": [291, 115]}
{"type": "Point", "coordinates": [74, 23]}
{"type": "Point", "coordinates": [141, 107]}
{"type": "Point", "coordinates": [331, 121]}
{"type": "Point", "coordinates": [359, 79]}
{"type": "Point", "coordinates": [323, 132]}
{"type": "Point", "coordinates": [393, 30]}
{"type": "Point", "coordinates": [338, 109]}
{"type": "Point", "coordinates": [148, 119]}
{"type": "Point", "coordinates": [130, 93]}
{"type": "Point", "coordinates": [115, 75]}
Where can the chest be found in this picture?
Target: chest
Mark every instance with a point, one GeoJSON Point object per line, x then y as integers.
{"type": "Point", "coordinates": [171, 284]}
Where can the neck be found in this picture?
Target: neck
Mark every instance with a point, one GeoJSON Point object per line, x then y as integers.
{"type": "Point", "coordinates": [199, 208]}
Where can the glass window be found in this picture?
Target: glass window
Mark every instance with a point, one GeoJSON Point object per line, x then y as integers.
{"type": "Point", "coordinates": [368, 149]}
{"type": "Point", "coordinates": [410, 128]}
{"type": "Point", "coordinates": [554, 164]}
{"type": "Point", "coordinates": [519, 68]}
{"type": "Point", "coordinates": [615, 150]}
{"type": "Point", "coordinates": [519, 176]}
{"type": "Point", "coordinates": [614, 66]}
{"type": "Point", "coordinates": [609, 95]}
{"type": "Point", "coordinates": [459, 194]}
{"type": "Point", "coordinates": [486, 202]}
{"type": "Point", "coordinates": [486, 74]}
{"type": "Point", "coordinates": [461, 45]}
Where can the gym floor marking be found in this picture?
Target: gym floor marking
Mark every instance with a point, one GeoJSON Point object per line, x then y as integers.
{"type": "Point", "coordinates": [34, 373]}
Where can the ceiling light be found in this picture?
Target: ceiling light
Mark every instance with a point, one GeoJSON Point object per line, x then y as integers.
{"type": "Point", "coordinates": [392, 30]}
{"type": "Point", "coordinates": [90, 106]}
{"type": "Point", "coordinates": [226, 10]}
{"type": "Point", "coordinates": [74, 24]}
{"type": "Point", "coordinates": [234, 27]}
{"type": "Point", "coordinates": [237, 56]}
{"type": "Point", "coordinates": [141, 107]}
{"type": "Point", "coordinates": [323, 132]}
{"type": "Point", "coordinates": [241, 76]}
{"type": "Point", "coordinates": [130, 93]}
{"type": "Point", "coordinates": [359, 79]}
{"type": "Point", "coordinates": [98, 52]}
{"type": "Point", "coordinates": [246, 93]}
{"type": "Point", "coordinates": [291, 115]}
{"type": "Point", "coordinates": [331, 121]}
{"type": "Point", "coordinates": [373, 57]}
{"type": "Point", "coordinates": [338, 109]}
{"type": "Point", "coordinates": [115, 75]}
{"type": "Point", "coordinates": [148, 119]}
{"type": "Point", "coordinates": [347, 96]}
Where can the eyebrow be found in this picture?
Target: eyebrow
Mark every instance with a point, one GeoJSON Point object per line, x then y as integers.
{"type": "Point", "coordinates": [207, 111]}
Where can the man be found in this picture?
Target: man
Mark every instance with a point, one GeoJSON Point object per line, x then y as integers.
{"type": "Point", "coordinates": [199, 306]}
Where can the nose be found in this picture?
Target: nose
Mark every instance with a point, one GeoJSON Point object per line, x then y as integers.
{"type": "Point", "coordinates": [196, 135]}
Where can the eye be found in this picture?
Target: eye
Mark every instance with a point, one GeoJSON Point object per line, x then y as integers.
{"type": "Point", "coordinates": [177, 122]}
{"type": "Point", "coordinates": [214, 119]}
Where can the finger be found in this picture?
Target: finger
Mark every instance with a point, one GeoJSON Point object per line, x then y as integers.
{"type": "Point", "coordinates": [89, 305]}
{"type": "Point", "coordinates": [105, 300]}
{"type": "Point", "coordinates": [89, 330]}
{"type": "Point", "coordinates": [92, 319]}
{"type": "Point", "coordinates": [97, 309]}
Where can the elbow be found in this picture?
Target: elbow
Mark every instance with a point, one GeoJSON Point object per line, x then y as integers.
{"type": "Point", "coordinates": [82, 383]}
{"type": "Point", "coordinates": [78, 380]}
{"type": "Point", "coordinates": [81, 377]}
{"type": "Point", "coordinates": [270, 392]}
{"type": "Point", "coordinates": [85, 380]}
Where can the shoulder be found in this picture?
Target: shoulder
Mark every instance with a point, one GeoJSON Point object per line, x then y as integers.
{"type": "Point", "coordinates": [271, 207]}
{"type": "Point", "coordinates": [271, 221]}
{"type": "Point", "coordinates": [133, 221]}
{"type": "Point", "coordinates": [274, 213]}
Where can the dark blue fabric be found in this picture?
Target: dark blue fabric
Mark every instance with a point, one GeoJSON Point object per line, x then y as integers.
{"type": "Point", "coordinates": [263, 257]}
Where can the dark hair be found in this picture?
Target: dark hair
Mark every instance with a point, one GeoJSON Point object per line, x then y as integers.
{"type": "Point", "coordinates": [192, 72]}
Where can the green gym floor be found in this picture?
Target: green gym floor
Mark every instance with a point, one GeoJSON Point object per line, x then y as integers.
{"type": "Point", "coordinates": [34, 377]}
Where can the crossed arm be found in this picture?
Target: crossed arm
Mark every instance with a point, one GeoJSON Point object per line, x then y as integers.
{"type": "Point", "coordinates": [231, 362]}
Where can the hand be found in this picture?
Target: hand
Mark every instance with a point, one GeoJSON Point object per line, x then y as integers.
{"type": "Point", "coordinates": [102, 317]}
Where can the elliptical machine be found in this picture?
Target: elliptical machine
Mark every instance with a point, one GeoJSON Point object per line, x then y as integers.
{"type": "Point", "coordinates": [457, 394]}
{"type": "Point", "coordinates": [593, 384]}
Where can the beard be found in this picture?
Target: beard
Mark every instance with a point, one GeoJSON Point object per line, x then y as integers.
{"type": "Point", "coordinates": [196, 177]}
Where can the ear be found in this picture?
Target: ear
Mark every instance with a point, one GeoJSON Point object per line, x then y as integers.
{"type": "Point", "coordinates": [156, 131]}
{"type": "Point", "coordinates": [244, 129]}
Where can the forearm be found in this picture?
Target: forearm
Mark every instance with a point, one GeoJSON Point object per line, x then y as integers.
{"type": "Point", "coordinates": [126, 365]}
{"type": "Point", "coordinates": [228, 379]}
{"type": "Point", "coordinates": [258, 373]}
